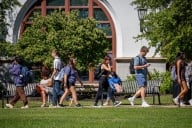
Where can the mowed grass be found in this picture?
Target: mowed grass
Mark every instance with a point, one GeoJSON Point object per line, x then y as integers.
{"type": "Point", "coordinates": [89, 117]}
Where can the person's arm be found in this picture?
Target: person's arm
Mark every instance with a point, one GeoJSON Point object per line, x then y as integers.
{"type": "Point", "coordinates": [178, 71]}
{"type": "Point", "coordinates": [78, 78]}
{"type": "Point", "coordinates": [137, 64]}
{"type": "Point", "coordinates": [55, 71]}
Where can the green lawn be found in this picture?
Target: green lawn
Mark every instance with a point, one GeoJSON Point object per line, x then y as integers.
{"type": "Point", "coordinates": [89, 117]}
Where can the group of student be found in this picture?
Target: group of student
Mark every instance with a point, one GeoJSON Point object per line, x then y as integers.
{"type": "Point", "coordinates": [63, 86]}
{"type": "Point", "coordinates": [60, 84]}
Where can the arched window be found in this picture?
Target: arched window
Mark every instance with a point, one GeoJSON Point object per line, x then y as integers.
{"type": "Point", "coordinates": [87, 8]}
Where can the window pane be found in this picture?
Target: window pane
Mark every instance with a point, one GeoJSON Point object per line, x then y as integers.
{"type": "Point", "coordinates": [106, 28]}
{"type": "Point", "coordinates": [32, 15]}
{"type": "Point", "coordinates": [55, 2]}
{"type": "Point", "coordinates": [78, 2]}
{"type": "Point", "coordinates": [83, 12]}
{"type": "Point", "coordinates": [99, 15]}
{"type": "Point", "coordinates": [49, 11]}
{"type": "Point", "coordinates": [38, 3]}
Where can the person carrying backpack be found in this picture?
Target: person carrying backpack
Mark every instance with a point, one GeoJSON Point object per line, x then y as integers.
{"type": "Point", "coordinates": [57, 84]}
{"type": "Point", "coordinates": [71, 75]}
{"type": "Point", "coordinates": [141, 72]}
{"type": "Point", "coordinates": [103, 82]}
{"type": "Point", "coordinates": [15, 69]}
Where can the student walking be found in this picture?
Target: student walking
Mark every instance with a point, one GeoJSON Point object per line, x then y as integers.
{"type": "Point", "coordinates": [57, 84]}
{"type": "Point", "coordinates": [70, 77]}
{"type": "Point", "coordinates": [141, 72]}
{"type": "Point", "coordinates": [15, 69]}
{"type": "Point", "coordinates": [181, 79]}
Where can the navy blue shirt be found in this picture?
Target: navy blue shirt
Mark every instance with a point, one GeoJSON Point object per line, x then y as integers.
{"type": "Point", "coordinates": [71, 74]}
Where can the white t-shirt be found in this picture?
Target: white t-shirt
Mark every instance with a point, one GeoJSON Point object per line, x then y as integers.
{"type": "Point", "coordinates": [44, 82]}
{"type": "Point", "coordinates": [57, 65]}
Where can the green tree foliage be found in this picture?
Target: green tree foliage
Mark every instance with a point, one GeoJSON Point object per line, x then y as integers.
{"type": "Point", "coordinates": [168, 26]}
{"type": "Point", "coordinates": [5, 5]}
{"type": "Point", "coordinates": [67, 33]}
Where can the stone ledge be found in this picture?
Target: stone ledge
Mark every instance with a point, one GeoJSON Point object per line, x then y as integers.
{"type": "Point", "coordinates": [150, 59]}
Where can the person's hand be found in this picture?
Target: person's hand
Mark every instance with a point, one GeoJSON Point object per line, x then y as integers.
{"type": "Point", "coordinates": [147, 65]}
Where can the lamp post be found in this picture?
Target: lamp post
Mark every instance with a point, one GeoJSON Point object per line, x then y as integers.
{"type": "Point", "coordinates": [142, 12]}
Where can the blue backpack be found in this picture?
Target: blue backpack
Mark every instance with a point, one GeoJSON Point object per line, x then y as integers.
{"type": "Point", "coordinates": [26, 75]}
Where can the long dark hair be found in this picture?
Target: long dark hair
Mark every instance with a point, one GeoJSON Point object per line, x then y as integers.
{"type": "Point", "coordinates": [180, 55]}
{"type": "Point", "coordinates": [18, 60]}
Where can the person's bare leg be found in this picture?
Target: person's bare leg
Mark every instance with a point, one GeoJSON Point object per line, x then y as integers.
{"type": "Point", "coordinates": [74, 94]}
{"type": "Point", "coordinates": [63, 97]}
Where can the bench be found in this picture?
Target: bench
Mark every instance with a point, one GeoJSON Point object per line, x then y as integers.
{"type": "Point", "coordinates": [88, 90]}
{"type": "Point", "coordinates": [153, 88]}
{"type": "Point", "coordinates": [82, 91]}
{"type": "Point", "coordinates": [10, 91]}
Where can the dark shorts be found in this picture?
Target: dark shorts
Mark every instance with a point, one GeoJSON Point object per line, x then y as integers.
{"type": "Point", "coordinates": [141, 81]}
{"type": "Point", "coordinates": [182, 76]}
{"type": "Point", "coordinates": [69, 84]}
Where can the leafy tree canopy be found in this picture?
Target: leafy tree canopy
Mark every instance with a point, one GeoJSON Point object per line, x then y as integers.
{"type": "Point", "coordinates": [68, 34]}
{"type": "Point", "coordinates": [168, 26]}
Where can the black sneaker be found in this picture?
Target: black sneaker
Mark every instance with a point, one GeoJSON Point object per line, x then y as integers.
{"type": "Point", "coordinates": [95, 105]}
{"type": "Point", "coordinates": [78, 105]}
{"type": "Point", "coordinates": [61, 106]}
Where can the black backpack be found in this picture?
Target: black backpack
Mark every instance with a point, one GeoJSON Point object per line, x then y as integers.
{"type": "Point", "coordinates": [97, 72]}
{"type": "Point", "coordinates": [131, 65]}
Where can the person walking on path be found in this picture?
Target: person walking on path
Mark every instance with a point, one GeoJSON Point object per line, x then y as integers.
{"type": "Point", "coordinates": [15, 69]}
{"type": "Point", "coordinates": [57, 84]}
{"type": "Point", "coordinates": [70, 77]}
{"type": "Point", "coordinates": [141, 72]}
{"type": "Point", "coordinates": [181, 79]}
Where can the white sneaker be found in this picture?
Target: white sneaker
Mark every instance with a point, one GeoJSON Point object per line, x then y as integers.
{"type": "Point", "coordinates": [145, 104]}
{"type": "Point", "coordinates": [52, 106]}
{"type": "Point", "coordinates": [43, 105]}
{"type": "Point", "coordinates": [106, 103]}
{"type": "Point", "coordinates": [130, 99]}
{"type": "Point", "coordinates": [24, 107]}
{"type": "Point", "coordinates": [9, 105]}
{"type": "Point", "coordinates": [175, 100]}
{"type": "Point", "coordinates": [117, 103]}
{"type": "Point", "coordinates": [190, 102]}
{"type": "Point", "coordinates": [182, 104]}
